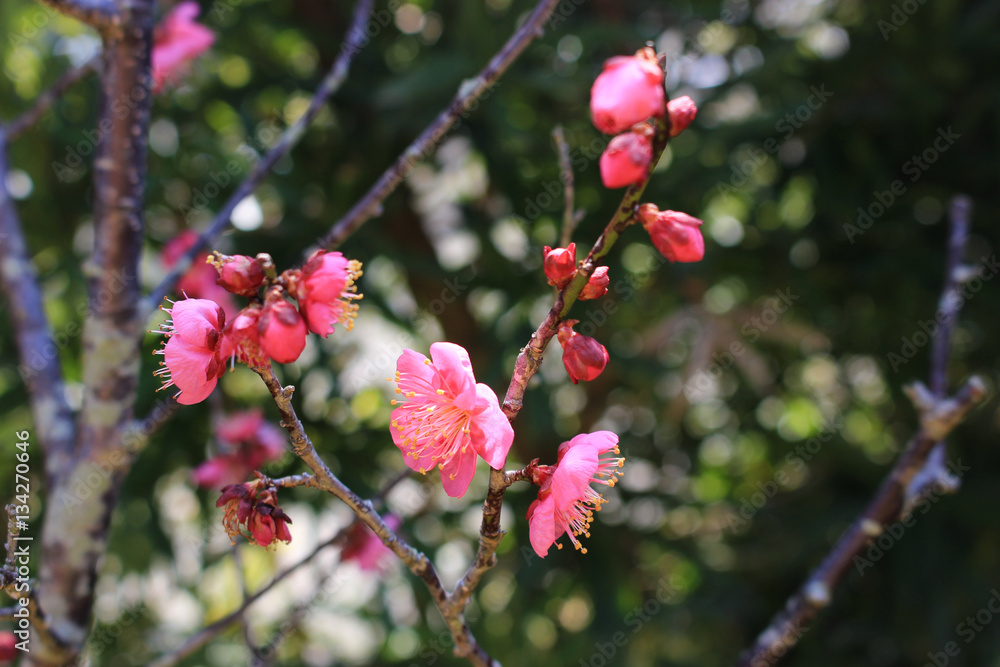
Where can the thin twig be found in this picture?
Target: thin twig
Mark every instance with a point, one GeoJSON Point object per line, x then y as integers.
{"type": "Point", "coordinates": [418, 563]}
{"type": "Point", "coordinates": [566, 176]}
{"type": "Point", "coordinates": [938, 416]}
{"type": "Point", "coordinates": [468, 94]}
{"type": "Point", "coordinates": [208, 632]}
{"type": "Point", "coordinates": [45, 101]}
{"type": "Point", "coordinates": [529, 360]}
{"type": "Point", "coordinates": [354, 40]}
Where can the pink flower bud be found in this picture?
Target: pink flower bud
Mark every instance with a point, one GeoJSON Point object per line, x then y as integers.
{"type": "Point", "coordinates": [560, 265]}
{"type": "Point", "coordinates": [597, 286]}
{"type": "Point", "coordinates": [281, 329]}
{"type": "Point", "coordinates": [628, 91]}
{"type": "Point", "coordinates": [675, 234]}
{"type": "Point", "coordinates": [238, 274]}
{"type": "Point", "coordinates": [681, 111]}
{"type": "Point", "coordinates": [626, 160]}
{"type": "Point", "coordinates": [583, 357]}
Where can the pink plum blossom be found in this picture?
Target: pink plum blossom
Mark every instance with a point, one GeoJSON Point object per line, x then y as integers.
{"type": "Point", "coordinates": [628, 91]}
{"type": "Point", "coordinates": [177, 42]}
{"type": "Point", "coordinates": [281, 330]}
{"type": "Point", "coordinates": [247, 441]}
{"type": "Point", "coordinates": [447, 419]}
{"type": "Point", "coordinates": [597, 285]}
{"type": "Point", "coordinates": [676, 235]}
{"type": "Point", "coordinates": [326, 291]}
{"type": "Point", "coordinates": [681, 111]}
{"type": "Point", "coordinates": [583, 357]}
{"type": "Point", "coordinates": [626, 160]}
{"type": "Point", "coordinates": [566, 502]}
{"type": "Point", "coordinates": [365, 548]}
{"type": "Point", "coordinates": [559, 265]}
{"type": "Point", "coordinates": [192, 354]}
{"type": "Point", "coordinates": [199, 282]}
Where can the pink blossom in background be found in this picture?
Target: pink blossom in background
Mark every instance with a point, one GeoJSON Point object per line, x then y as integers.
{"type": "Point", "coordinates": [447, 419]}
{"type": "Point", "coordinates": [199, 282]}
{"type": "Point", "coordinates": [681, 111]}
{"type": "Point", "coordinates": [8, 647]}
{"type": "Point", "coordinates": [583, 357]}
{"type": "Point", "coordinates": [626, 160]}
{"type": "Point", "coordinates": [566, 502]}
{"type": "Point", "coordinates": [365, 548]}
{"type": "Point", "coordinates": [676, 235]}
{"type": "Point", "coordinates": [559, 265]}
{"type": "Point", "coordinates": [192, 354]}
{"type": "Point", "coordinates": [281, 330]}
{"type": "Point", "coordinates": [628, 91]}
{"type": "Point", "coordinates": [326, 291]}
{"type": "Point", "coordinates": [246, 442]}
{"type": "Point", "coordinates": [177, 42]}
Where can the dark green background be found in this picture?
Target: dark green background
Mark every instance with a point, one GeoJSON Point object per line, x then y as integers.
{"type": "Point", "coordinates": [690, 469]}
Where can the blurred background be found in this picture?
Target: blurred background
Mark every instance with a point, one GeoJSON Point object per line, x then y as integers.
{"type": "Point", "coordinates": [830, 137]}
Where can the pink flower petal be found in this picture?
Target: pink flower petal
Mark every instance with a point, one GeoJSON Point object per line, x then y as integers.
{"type": "Point", "coordinates": [195, 319]}
{"type": "Point", "coordinates": [188, 365]}
{"type": "Point", "coordinates": [492, 434]}
{"type": "Point", "coordinates": [542, 529]}
{"type": "Point", "coordinates": [455, 369]}
{"type": "Point", "coordinates": [457, 473]}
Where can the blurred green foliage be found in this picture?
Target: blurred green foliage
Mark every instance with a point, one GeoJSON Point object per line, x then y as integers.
{"type": "Point", "coordinates": [742, 469]}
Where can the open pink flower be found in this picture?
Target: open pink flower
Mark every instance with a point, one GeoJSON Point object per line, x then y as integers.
{"type": "Point", "coordinates": [199, 282]}
{"type": "Point", "coordinates": [447, 419]}
{"type": "Point", "coordinates": [628, 91]}
{"type": "Point", "coordinates": [326, 291]}
{"type": "Point", "coordinates": [177, 42]}
{"type": "Point", "coordinates": [192, 359]}
{"type": "Point", "coordinates": [365, 548]}
{"type": "Point", "coordinates": [626, 160]}
{"type": "Point", "coordinates": [566, 503]}
{"type": "Point", "coordinates": [676, 235]}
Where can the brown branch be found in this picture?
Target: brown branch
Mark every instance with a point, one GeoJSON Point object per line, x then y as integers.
{"type": "Point", "coordinates": [418, 563]}
{"type": "Point", "coordinates": [570, 218]}
{"type": "Point", "coordinates": [74, 536]}
{"type": "Point", "coordinates": [38, 353]}
{"type": "Point", "coordinates": [468, 94]}
{"type": "Point", "coordinates": [102, 15]}
{"type": "Point", "coordinates": [45, 101]}
{"type": "Point", "coordinates": [938, 416]}
{"type": "Point", "coordinates": [529, 360]}
{"type": "Point", "coordinates": [332, 82]}
{"type": "Point", "coordinates": [211, 631]}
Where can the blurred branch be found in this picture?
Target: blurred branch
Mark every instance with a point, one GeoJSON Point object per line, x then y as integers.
{"type": "Point", "coordinates": [938, 416]}
{"type": "Point", "coordinates": [38, 353]}
{"type": "Point", "coordinates": [468, 94]}
{"type": "Point", "coordinates": [418, 563]}
{"type": "Point", "coordinates": [210, 631]}
{"type": "Point", "coordinates": [45, 101]}
{"type": "Point", "coordinates": [86, 488]}
{"type": "Point", "coordinates": [354, 40]}
{"type": "Point", "coordinates": [102, 15]}
{"type": "Point", "coordinates": [570, 217]}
